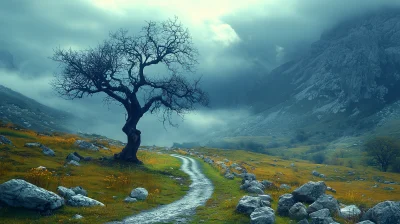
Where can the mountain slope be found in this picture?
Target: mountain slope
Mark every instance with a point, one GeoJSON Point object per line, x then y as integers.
{"type": "Point", "coordinates": [339, 86]}
{"type": "Point", "coordinates": [19, 109]}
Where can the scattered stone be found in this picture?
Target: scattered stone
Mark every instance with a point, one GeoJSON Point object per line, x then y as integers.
{"type": "Point", "coordinates": [77, 216]}
{"type": "Point", "coordinates": [315, 173]}
{"type": "Point", "coordinates": [32, 145]}
{"type": "Point", "coordinates": [309, 192]}
{"type": "Point", "coordinates": [47, 151]}
{"type": "Point", "coordinates": [325, 220]}
{"type": "Point", "coordinates": [72, 156]}
{"type": "Point", "coordinates": [267, 184]}
{"type": "Point", "coordinates": [263, 215]}
{"type": "Point", "coordinates": [86, 145]}
{"type": "Point", "coordinates": [229, 176]}
{"type": "Point", "coordinates": [331, 189]}
{"type": "Point", "coordinates": [4, 140]}
{"type": "Point", "coordinates": [285, 186]}
{"type": "Point", "coordinates": [321, 175]}
{"type": "Point", "coordinates": [19, 193]}
{"type": "Point", "coordinates": [325, 201]}
{"type": "Point", "coordinates": [247, 204]}
{"type": "Point", "coordinates": [255, 190]}
{"type": "Point", "coordinates": [248, 176]}
{"type": "Point", "coordinates": [79, 190]}
{"type": "Point", "coordinates": [387, 212]}
{"type": "Point", "coordinates": [73, 162]}
{"type": "Point", "coordinates": [209, 161]}
{"type": "Point", "coordinates": [298, 211]}
{"type": "Point", "coordinates": [65, 192]}
{"type": "Point", "coordinates": [366, 222]}
{"type": "Point", "coordinates": [139, 193]}
{"type": "Point", "coordinates": [285, 202]}
{"type": "Point", "coordinates": [350, 212]}
{"type": "Point", "coordinates": [321, 213]}
{"type": "Point", "coordinates": [226, 160]}
{"type": "Point", "coordinates": [83, 201]}
{"type": "Point", "coordinates": [304, 221]}
{"type": "Point", "coordinates": [42, 168]}
{"type": "Point", "coordinates": [130, 199]}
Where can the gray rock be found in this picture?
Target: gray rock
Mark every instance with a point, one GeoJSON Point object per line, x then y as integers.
{"type": "Point", "coordinates": [130, 199]}
{"type": "Point", "coordinates": [79, 190]}
{"type": "Point", "coordinates": [73, 162]}
{"type": "Point", "coordinates": [226, 160]}
{"type": "Point", "coordinates": [350, 212]}
{"type": "Point", "coordinates": [209, 161]}
{"type": "Point", "coordinates": [298, 211]}
{"type": "Point", "coordinates": [33, 145]}
{"type": "Point", "coordinates": [265, 197]}
{"type": "Point", "coordinates": [83, 201]}
{"type": "Point", "coordinates": [86, 145]}
{"type": "Point", "coordinates": [309, 192]}
{"type": "Point", "coordinates": [387, 212]}
{"type": "Point", "coordinates": [285, 186]}
{"type": "Point", "coordinates": [366, 222]}
{"type": "Point", "coordinates": [325, 201]}
{"type": "Point", "coordinates": [267, 184]}
{"type": "Point", "coordinates": [72, 156]}
{"type": "Point", "coordinates": [47, 151]}
{"type": "Point", "coordinates": [229, 176]}
{"type": "Point", "coordinates": [4, 140]}
{"type": "Point", "coordinates": [285, 202]}
{"type": "Point", "coordinates": [320, 220]}
{"type": "Point", "coordinates": [65, 192]}
{"type": "Point", "coordinates": [255, 190]}
{"type": "Point", "coordinates": [77, 216]}
{"type": "Point", "coordinates": [304, 221]}
{"type": "Point", "coordinates": [139, 193]}
{"type": "Point", "coordinates": [263, 215]}
{"type": "Point", "coordinates": [247, 204]}
{"type": "Point", "coordinates": [315, 173]}
{"type": "Point", "coordinates": [19, 193]}
{"type": "Point", "coordinates": [321, 213]}
{"type": "Point", "coordinates": [248, 176]}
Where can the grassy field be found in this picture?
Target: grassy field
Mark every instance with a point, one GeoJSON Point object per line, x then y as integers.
{"type": "Point", "coordinates": [221, 207]}
{"type": "Point", "coordinates": [103, 180]}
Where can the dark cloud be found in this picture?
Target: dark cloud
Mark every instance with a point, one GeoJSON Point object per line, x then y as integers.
{"type": "Point", "coordinates": [238, 43]}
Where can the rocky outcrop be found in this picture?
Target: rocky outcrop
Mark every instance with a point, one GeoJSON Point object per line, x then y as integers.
{"type": "Point", "coordinates": [262, 215]}
{"type": "Point", "coordinates": [86, 145]}
{"type": "Point", "coordinates": [19, 193]}
{"type": "Point", "coordinates": [285, 202]}
{"type": "Point", "coordinates": [83, 201]}
{"type": "Point", "coordinates": [4, 140]}
{"type": "Point", "coordinates": [325, 201]}
{"type": "Point", "coordinates": [247, 204]}
{"type": "Point", "coordinates": [309, 192]}
{"type": "Point", "coordinates": [387, 212]}
{"type": "Point", "coordinates": [65, 192]}
{"type": "Point", "coordinates": [298, 211]}
{"type": "Point", "coordinates": [350, 212]}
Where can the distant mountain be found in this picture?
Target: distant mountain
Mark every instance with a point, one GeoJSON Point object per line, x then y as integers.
{"type": "Point", "coordinates": [347, 83]}
{"type": "Point", "coordinates": [26, 112]}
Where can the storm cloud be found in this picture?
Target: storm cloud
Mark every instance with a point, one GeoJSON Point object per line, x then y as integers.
{"type": "Point", "coordinates": [238, 42]}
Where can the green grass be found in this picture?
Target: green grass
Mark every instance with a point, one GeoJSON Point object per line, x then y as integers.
{"type": "Point", "coordinates": [99, 178]}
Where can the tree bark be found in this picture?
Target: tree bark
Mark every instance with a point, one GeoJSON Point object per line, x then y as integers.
{"type": "Point", "coordinates": [129, 152]}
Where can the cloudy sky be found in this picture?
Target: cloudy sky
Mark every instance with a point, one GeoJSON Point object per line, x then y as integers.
{"type": "Point", "coordinates": [238, 41]}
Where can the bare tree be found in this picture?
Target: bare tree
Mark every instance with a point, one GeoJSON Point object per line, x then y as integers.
{"type": "Point", "coordinates": [118, 68]}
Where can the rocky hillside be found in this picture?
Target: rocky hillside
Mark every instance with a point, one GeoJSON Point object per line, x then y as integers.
{"type": "Point", "coordinates": [21, 110]}
{"type": "Point", "coordinates": [340, 86]}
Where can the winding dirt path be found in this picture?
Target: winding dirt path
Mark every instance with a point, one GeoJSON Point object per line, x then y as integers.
{"type": "Point", "coordinates": [200, 191]}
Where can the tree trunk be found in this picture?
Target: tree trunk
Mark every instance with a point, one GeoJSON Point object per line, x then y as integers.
{"type": "Point", "coordinates": [129, 152]}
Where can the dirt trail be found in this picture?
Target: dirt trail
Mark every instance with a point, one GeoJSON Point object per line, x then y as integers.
{"type": "Point", "coordinates": [200, 191]}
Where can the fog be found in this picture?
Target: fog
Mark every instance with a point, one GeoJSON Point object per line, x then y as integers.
{"type": "Point", "coordinates": [238, 42]}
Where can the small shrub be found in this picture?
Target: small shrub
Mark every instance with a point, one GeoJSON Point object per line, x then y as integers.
{"type": "Point", "coordinates": [319, 158]}
{"type": "Point", "coordinates": [302, 136]}
{"type": "Point", "coordinates": [119, 181]}
{"type": "Point", "coordinates": [40, 177]}
{"type": "Point", "coordinates": [396, 165]}
{"type": "Point", "coordinates": [383, 150]}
